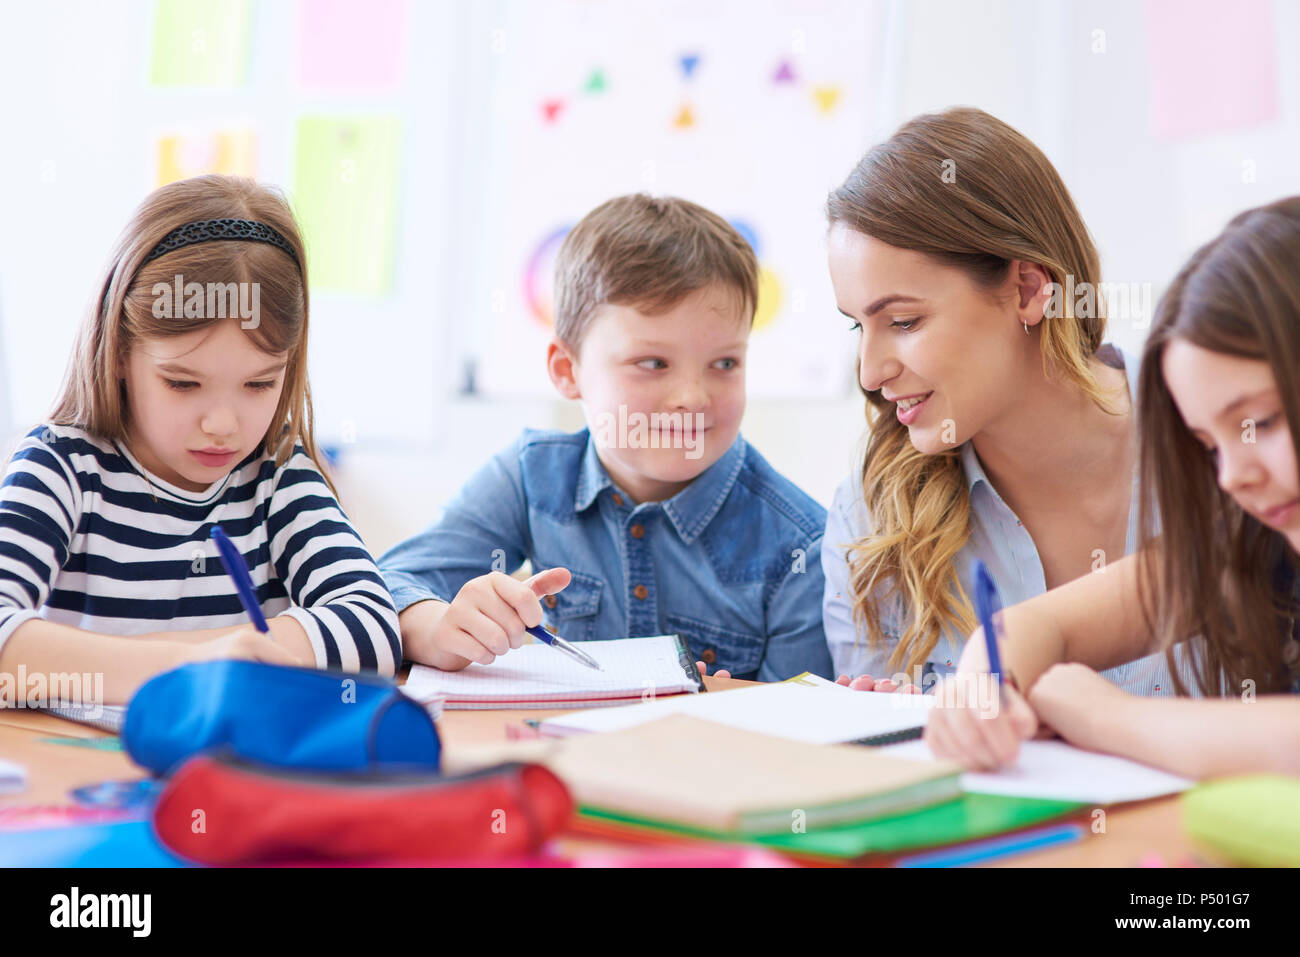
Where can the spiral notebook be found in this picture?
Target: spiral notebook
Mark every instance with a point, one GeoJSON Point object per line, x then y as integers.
{"type": "Point", "coordinates": [538, 676]}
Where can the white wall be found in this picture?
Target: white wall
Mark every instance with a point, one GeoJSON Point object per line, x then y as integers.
{"type": "Point", "coordinates": [77, 157]}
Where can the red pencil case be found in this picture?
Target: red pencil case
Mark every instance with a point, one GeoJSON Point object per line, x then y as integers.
{"type": "Point", "coordinates": [217, 809]}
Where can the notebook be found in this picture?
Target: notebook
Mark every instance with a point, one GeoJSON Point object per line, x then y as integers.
{"type": "Point", "coordinates": [538, 676]}
{"type": "Point", "coordinates": [106, 717]}
{"type": "Point", "coordinates": [683, 770]}
{"type": "Point", "coordinates": [816, 714]}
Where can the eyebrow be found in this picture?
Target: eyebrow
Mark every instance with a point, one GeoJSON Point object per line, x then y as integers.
{"type": "Point", "coordinates": [882, 302]}
{"type": "Point", "coordinates": [181, 370]}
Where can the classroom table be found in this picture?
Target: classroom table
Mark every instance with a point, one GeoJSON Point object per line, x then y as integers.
{"type": "Point", "coordinates": [1134, 833]}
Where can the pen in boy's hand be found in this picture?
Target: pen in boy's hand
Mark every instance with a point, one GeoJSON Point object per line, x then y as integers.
{"type": "Point", "coordinates": [559, 644]}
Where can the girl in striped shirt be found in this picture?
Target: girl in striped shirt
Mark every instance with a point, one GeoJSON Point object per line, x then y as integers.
{"type": "Point", "coordinates": [186, 404]}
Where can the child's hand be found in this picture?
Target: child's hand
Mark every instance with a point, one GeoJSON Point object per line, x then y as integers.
{"type": "Point", "coordinates": [974, 725]}
{"type": "Point", "coordinates": [1069, 698]}
{"type": "Point", "coordinates": [868, 683]}
{"type": "Point", "coordinates": [704, 671]}
{"type": "Point", "coordinates": [488, 618]}
{"type": "Point", "coordinates": [247, 643]}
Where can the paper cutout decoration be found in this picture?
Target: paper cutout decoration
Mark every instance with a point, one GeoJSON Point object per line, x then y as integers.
{"type": "Point", "coordinates": [551, 109]}
{"type": "Point", "coordinates": [769, 298]}
{"type": "Point", "coordinates": [688, 63]}
{"type": "Point", "coordinates": [345, 196]}
{"type": "Point", "coordinates": [539, 276]}
{"type": "Point", "coordinates": [596, 82]}
{"type": "Point", "coordinates": [769, 286]}
{"type": "Point", "coordinates": [346, 45]}
{"type": "Point", "coordinates": [685, 118]}
{"type": "Point", "coordinates": [826, 97]}
{"type": "Point", "coordinates": [1211, 66]}
{"type": "Point", "coordinates": [784, 73]}
{"type": "Point", "coordinates": [200, 43]}
{"type": "Point", "coordinates": [182, 155]}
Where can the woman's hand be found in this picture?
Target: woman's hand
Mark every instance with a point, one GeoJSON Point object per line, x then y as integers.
{"type": "Point", "coordinates": [868, 683]}
{"type": "Point", "coordinates": [704, 671]}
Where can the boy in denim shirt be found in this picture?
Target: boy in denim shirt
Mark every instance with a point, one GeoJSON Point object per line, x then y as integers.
{"type": "Point", "coordinates": [658, 518]}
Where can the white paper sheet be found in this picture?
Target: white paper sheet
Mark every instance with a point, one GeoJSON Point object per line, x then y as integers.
{"type": "Point", "coordinates": [1054, 769]}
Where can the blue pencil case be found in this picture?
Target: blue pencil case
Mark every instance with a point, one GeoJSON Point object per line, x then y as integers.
{"type": "Point", "coordinates": [284, 717]}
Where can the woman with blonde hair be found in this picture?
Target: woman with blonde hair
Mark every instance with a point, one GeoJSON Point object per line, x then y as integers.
{"type": "Point", "coordinates": [1000, 425]}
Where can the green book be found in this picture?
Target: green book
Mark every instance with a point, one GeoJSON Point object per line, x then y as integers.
{"type": "Point", "coordinates": [968, 818]}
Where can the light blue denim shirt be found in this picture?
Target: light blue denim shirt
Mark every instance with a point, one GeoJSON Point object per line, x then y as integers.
{"type": "Point", "coordinates": [732, 562]}
{"type": "Point", "coordinates": [999, 540]}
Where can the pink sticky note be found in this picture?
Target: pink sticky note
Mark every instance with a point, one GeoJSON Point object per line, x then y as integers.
{"type": "Point", "coordinates": [1212, 66]}
{"type": "Point", "coordinates": [346, 45]}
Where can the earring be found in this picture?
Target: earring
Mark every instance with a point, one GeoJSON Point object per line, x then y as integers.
{"type": "Point", "coordinates": [1026, 325]}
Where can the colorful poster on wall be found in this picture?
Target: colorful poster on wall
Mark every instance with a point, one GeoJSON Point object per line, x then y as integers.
{"type": "Point", "coordinates": [200, 43]}
{"type": "Point", "coordinates": [756, 121]}
{"type": "Point", "coordinates": [345, 45]}
{"type": "Point", "coordinates": [345, 195]}
{"type": "Point", "coordinates": [182, 155]}
{"type": "Point", "coordinates": [1212, 66]}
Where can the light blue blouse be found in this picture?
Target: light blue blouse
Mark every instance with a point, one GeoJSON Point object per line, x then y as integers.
{"type": "Point", "coordinates": [997, 538]}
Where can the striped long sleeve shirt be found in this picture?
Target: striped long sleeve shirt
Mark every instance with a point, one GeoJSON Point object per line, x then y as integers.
{"type": "Point", "coordinates": [91, 539]}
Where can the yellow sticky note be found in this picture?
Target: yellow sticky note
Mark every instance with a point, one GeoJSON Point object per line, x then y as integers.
{"type": "Point", "coordinates": [182, 155]}
{"type": "Point", "coordinates": [200, 43]}
{"type": "Point", "coordinates": [345, 196]}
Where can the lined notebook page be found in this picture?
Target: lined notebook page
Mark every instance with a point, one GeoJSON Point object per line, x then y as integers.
{"type": "Point", "coordinates": [632, 667]}
{"type": "Point", "coordinates": [787, 710]}
{"type": "Point", "coordinates": [1054, 769]}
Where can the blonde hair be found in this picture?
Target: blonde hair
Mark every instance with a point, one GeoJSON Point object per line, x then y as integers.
{"type": "Point", "coordinates": [1004, 202]}
{"type": "Point", "coordinates": [92, 396]}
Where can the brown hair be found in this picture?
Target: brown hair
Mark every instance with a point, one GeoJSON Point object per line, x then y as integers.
{"type": "Point", "coordinates": [1238, 295]}
{"type": "Point", "coordinates": [92, 396]}
{"type": "Point", "coordinates": [649, 253]}
{"type": "Point", "coordinates": [970, 192]}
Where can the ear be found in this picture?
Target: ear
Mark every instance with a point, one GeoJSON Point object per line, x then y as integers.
{"type": "Point", "coordinates": [1034, 287]}
{"type": "Point", "coordinates": [562, 366]}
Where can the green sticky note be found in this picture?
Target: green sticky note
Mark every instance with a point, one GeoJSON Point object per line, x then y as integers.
{"type": "Point", "coordinates": [345, 195]}
{"type": "Point", "coordinates": [98, 744]}
{"type": "Point", "coordinates": [200, 43]}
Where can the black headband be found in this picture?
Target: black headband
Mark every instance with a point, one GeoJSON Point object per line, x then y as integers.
{"type": "Point", "coordinates": [212, 230]}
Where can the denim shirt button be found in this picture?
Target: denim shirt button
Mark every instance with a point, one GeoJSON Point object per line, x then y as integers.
{"type": "Point", "coordinates": [638, 531]}
{"type": "Point", "coordinates": [708, 656]}
{"type": "Point", "coordinates": [640, 591]}
{"type": "Point", "coordinates": [550, 601]}
{"type": "Point", "coordinates": [618, 499]}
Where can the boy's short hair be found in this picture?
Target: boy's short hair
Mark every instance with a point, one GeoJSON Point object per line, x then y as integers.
{"type": "Point", "coordinates": [648, 253]}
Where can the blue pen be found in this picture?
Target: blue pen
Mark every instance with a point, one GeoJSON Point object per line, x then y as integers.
{"type": "Point", "coordinates": [559, 644]}
{"type": "Point", "coordinates": [238, 572]}
{"type": "Point", "coordinates": [988, 605]}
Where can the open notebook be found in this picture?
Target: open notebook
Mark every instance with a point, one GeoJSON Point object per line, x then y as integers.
{"type": "Point", "coordinates": [538, 676]}
{"type": "Point", "coordinates": [819, 715]}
